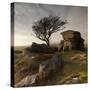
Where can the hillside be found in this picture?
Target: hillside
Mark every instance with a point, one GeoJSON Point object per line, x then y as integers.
{"type": "Point", "coordinates": [75, 64]}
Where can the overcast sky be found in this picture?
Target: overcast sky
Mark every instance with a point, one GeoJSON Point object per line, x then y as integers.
{"type": "Point", "coordinates": [26, 14]}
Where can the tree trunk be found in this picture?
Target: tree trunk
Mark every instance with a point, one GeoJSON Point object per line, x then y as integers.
{"type": "Point", "coordinates": [48, 43]}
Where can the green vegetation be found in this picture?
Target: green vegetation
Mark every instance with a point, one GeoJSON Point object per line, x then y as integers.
{"type": "Point", "coordinates": [73, 68]}
{"type": "Point", "coordinates": [23, 66]}
{"type": "Point", "coordinates": [28, 64]}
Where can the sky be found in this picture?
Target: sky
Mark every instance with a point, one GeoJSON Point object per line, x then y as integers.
{"type": "Point", "coordinates": [25, 14]}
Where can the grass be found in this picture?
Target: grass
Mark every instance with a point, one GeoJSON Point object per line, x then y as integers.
{"type": "Point", "coordinates": [73, 68]}
{"type": "Point", "coordinates": [24, 63]}
{"type": "Point", "coordinates": [23, 67]}
{"type": "Point", "coordinates": [70, 69]}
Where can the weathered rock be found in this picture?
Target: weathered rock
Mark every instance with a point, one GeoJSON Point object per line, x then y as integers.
{"type": "Point", "coordinates": [60, 46]}
{"type": "Point", "coordinates": [75, 80]}
{"type": "Point", "coordinates": [68, 82]}
{"type": "Point", "coordinates": [46, 69]}
{"type": "Point", "coordinates": [72, 41]}
{"type": "Point", "coordinates": [29, 80]}
{"type": "Point", "coordinates": [81, 58]}
{"type": "Point", "coordinates": [69, 34]}
{"type": "Point", "coordinates": [39, 48]}
{"type": "Point", "coordinates": [50, 66]}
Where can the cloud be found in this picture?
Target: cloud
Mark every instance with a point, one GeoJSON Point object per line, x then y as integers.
{"type": "Point", "coordinates": [27, 13]}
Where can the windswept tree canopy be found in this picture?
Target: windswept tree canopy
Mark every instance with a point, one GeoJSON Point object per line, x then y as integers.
{"type": "Point", "coordinates": [45, 27]}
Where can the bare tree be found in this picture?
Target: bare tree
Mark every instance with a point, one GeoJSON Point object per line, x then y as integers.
{"type": "Point", "coordinates": [45, 27]}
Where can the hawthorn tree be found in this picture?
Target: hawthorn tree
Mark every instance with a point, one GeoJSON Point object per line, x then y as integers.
{"type": "Point", "coordinates": [45, 27]}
